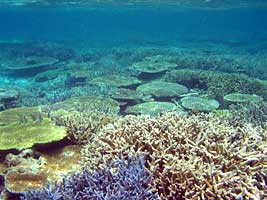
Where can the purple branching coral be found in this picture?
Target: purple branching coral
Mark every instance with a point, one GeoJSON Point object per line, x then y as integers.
{"type": "Point", "coordinates": [129, 181]}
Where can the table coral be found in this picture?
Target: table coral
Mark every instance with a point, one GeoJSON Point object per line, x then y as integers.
{"type": "Point", "coordinates": [217, 84]}
{"type": "Point", "coordinates": [199, 104]}
{"type": "Point", "coordinates": [162, 89]}
{"type": "Point", "coordinates": [21, 128]}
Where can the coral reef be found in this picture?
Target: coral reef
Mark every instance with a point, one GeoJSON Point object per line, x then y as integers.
{"type": "Point", "coordinates": [151, 66]}
{"type": "Point", "coordinates": [123, 94]}
{"type": "Point", "coordinates": [218, 84]}
{"type": "Point", "coordinates": [82, 127]}
{"type": "Point", "coordinates": [86, 104]}
{"type": "Point", "coordinates": [27, 66]}
{"type": "Point", "coordinates": [189, 157]}
{"type": "Point", "coordinates": [8, 98]}
{"type": "Point", "coordinates": [242, 98]}
{"type": "Point", "coordinates": [252, 113]}
{"type": "Point", "coordinates": [162, 89]}
{"type": "Point", "coordinates": [152, 108]}
{"type": "Point", "coordinates": [121, 179]}
{"type": "Point", "coordinates": [21, 128]}
{"type": "Point", "coordinates": [78, 78]}
{"type": "Point", "coordinates": [31, 169]}
{"type": "Point", "coordinates": [185, 155]}
{"type": "Point", "coordinates": [199, 104]}
{"type": "Point", "coordinates": [116, 80]}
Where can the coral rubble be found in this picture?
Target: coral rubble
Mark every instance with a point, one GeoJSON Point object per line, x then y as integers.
{"type": "Point", "coordinates": [31, 169]}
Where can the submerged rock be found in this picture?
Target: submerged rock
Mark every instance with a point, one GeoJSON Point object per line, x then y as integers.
{"type": "Point", "coordinates": [21, 128]}
{"type": "Point", "coordinates": [242, 98]}
{"type": "Point", "coordinates": [199, 103]}
{"type": "Point", "coordinates": [162, 89]}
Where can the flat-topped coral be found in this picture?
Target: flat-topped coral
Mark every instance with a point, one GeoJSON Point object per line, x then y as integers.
{"type": "Point", "coordinates": [199, 103]}
{"type": "Point", "coordinates": [160, 58]}
{"type": "Point", "coordinates": [151, 108]}
{"type": "Point", "coordinates": [218, 84]}
{"type": "Point", "coordinates": [27, 63]}
{"type": "Point", "coordinates": [49, 75]}
{"type": "Point", "coordinates": [242, 98]}
{"type": "Point", "coordinates": [87, 104]}
{"type": "Point", "coordinates": [148, 66]}
{"type": "Point", "coordinates": [189, 157]}
{"type": "Point", "coordinates": [162, 89]}
{"type": "Point", "coordinates": [21, 128]}
{"type": "Point", "coordinates": [125, 94]}
{"type": "Point", "coordinates": [116, 80]}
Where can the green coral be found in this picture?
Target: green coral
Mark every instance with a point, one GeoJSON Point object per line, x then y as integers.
{"type": "Point", "coordinates": [200, 104]}
{"type": "Point", "coordinates": [218, 84]}
{"type": "Point", "coordinates": [87, 104]}
{"type": "Point", "coordinates": [162, 89]}
{"type": "Point", "coordinates": [241, 98]}
{"type": "Point", "coordinates": [150, 66]}
{"type": "Point", "coordinates": [115, 80]}
{"type": "Point", "coordinates": [152, 108]}
{"type": "Point", "coordinates": [21, 129]}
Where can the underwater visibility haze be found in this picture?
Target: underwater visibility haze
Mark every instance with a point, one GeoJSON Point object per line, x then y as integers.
{"type": "Point", "coordinates": [133, 100]}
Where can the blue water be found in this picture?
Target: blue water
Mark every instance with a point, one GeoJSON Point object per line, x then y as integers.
{"type": "Point", "coordinates": [104, 26]}
{"type": "Point", "coordinates": [108, 53]}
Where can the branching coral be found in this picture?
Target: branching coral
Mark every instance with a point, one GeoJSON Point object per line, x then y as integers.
{"type": "Point", "coordinates": [81, 127]}
{"type": "Point", "coordinates": [121, 179]}
{"type": "Point", "coordinates": [254, 113]}
{"type": "Point", "coordinates": [191, 157]}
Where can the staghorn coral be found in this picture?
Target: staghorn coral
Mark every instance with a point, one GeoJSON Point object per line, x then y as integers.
{"type": "Point", "coordinates": [190, 157]}
{"type": "Point", "coordinates": [81, 127]}
{"type": "Point", "coordinates": [121, 179]}
{"type": "Point", "coordinates": [254, 113]}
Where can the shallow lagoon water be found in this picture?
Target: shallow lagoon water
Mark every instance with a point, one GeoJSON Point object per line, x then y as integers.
{"type": "Point", "coordinates": [169, 91]}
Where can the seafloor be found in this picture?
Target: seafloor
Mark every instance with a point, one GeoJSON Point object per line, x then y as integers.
{"type": "Point", "coordinates": [133, 122]}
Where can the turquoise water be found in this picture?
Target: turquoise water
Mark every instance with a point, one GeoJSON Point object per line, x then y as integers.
{"type": "Point", "coordinates": [72, 74]}
{"type": "Point", "coordinates": [132, 25]}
